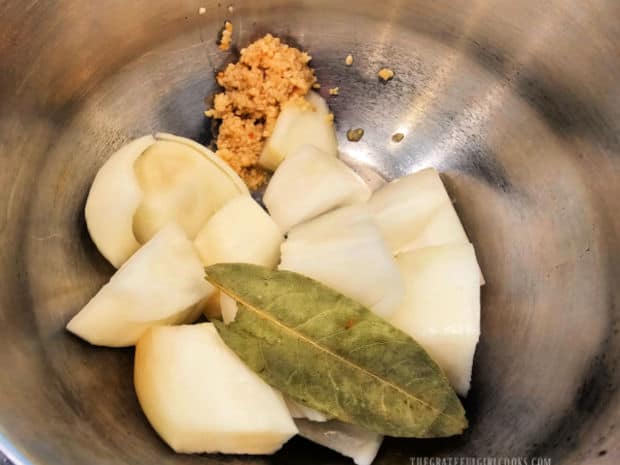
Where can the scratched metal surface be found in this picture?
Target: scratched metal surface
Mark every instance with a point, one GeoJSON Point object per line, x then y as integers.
{"type": "Point", "coordinates": [516, 102]}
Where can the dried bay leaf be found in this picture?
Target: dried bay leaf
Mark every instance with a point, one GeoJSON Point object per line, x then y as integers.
{"type": "Point", "coordinates": [332, 354]}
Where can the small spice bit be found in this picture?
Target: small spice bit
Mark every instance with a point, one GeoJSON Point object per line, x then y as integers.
{"type": "Point", "coordinates": [355, 135]}
{"type": "Point", "coordinates": [348, 60]}
{"type": "Point", "coordinates": [329, 117]}
{"type": "Point", "coordinates": [202, 10]}
{"type": "Point", "coordinates": [316, 85]}
{"type": "Point", "coordinates": [386, 74]}
{"type": "Point", "coordinates": [398, 137]}
{"type": "Point", "coordinates": [231, 9]}
{"type": "Point", "coordinates": [226, 36]}
{"type": "Point", "coordinates": [334, 91]}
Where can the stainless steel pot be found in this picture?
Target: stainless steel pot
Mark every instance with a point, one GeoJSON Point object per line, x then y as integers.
{"type": "Point", "coordinates": [517, 102]}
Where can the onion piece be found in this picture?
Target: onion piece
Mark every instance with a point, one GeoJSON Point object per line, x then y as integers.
{"type": "Point", "coordinates": [309, 183]}
{"type": "Point", "coordinates": [112, 201]}
{"type": "Point", "coordinates": [318, 102]}
{"type": "Point", "coordinates": [344, 250]}
{"type": "Point", "coordinates": [162, 283]}
{"type": "Point", "coordinates": [415, 211]}
{"type": "Point", "coordinates": [407, 208]}
{"type": "Point", "coordinates": [299, 123]}
{"type": "Point", "coordinates": [149, 182]}
{"type": "Point", "coordinates": [441, 309]}
{"type": "Point", "coordinates": [200, 397]}
{"type": "Point", "coordinates": [240, 232]}
{"type": "Point", "coordinates": [228, 308]}
{"type": "Point", "coordinates": [349, 440]}
{"type": "Point", "coordinates": [301, 411]}
{"type": "Point", "coordinates": [180, 184]}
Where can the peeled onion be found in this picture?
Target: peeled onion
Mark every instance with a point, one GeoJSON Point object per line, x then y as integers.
{"type": "Point", "coordinates": [148, 183]}
{"type": "Point", "coordinates": [309, 183]}
{"type": "Point", "coordinates": [162, 283]}
{"type": "Point", "coordinates": [296, 126]}
{"type": "Point", "coordinates": [349, 440]}
{"type": "Point", "coordinates": [441, 309]}
{"type": "Point", "coordinates": [318, 102]}
{"type": "Point", "coordinates": [112, 201]}
{"type": "Point", "coordinates": [415, 211]}
{"type": "Point", "coordinates": [228, 308]}
{"type": "Point", "coordinates": [200, 397]}
{"type": "Point", "coordinates": [301, 411]}
{"type": "Point", "coordinates": [344, 250]}
{"type": "Point", "coordinates": [180, 184]}
{"type": "Point", "coordinates": [240, 232]}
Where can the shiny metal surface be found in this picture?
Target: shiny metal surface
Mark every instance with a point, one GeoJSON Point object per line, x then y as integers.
{"type": "Point", "coordinates": [517, 102]}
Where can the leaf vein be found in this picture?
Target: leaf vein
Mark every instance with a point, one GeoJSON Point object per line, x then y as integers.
{"type": "Point", "coordinates": [320, 348]}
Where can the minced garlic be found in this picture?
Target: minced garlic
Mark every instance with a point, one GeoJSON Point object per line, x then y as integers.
{"type": "Point", "coordinates": [267, 76]}
{"type": "Point", "coordinates": [386, 74]}
{"type": "Point", "coordinates": [226, 36]}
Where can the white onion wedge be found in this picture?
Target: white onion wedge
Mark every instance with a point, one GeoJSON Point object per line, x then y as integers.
{"type": "Point", "coordinates": [318, 102]}
{"type": "Point", "coordinates": [331, 226]}
{"type": "Point", "coordinates": [200, 397]}
{"type": "Point", "coordinates": [441, 309]}
{"type": "Point", "coordinates": [344, 250]}
{"type": "Point", "coordinates": [220, 164]}
{"type": "Point", "coordinates": [299, 125]}
{"type": "Point", "coordinates": [150, 182]}
{"type": "Point", "coordinates": [349, 440]}
{"type": "Point", "coordinates": [180, 184]}
{"type": "Point", "coordinates": [241, 231]}
{"type": "Point", "coordinates": [112, 201]}
{"type": "Point", "coordinates": [309, 183]}
{"type": "Point", "coordinates": [228, 308]}
{"type": "Point", "coordinates": [162, 283]}
{"type": "Point", "coordinates": [299, 411]}
{"type": "Point", "coordinates": [273, 150]}
{"type": "Point", "coordinates": [415, 211]}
